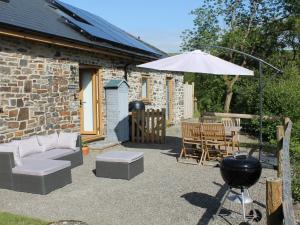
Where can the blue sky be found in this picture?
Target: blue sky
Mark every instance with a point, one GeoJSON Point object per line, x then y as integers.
{"type": "Point", "coordinates": [158, 22]}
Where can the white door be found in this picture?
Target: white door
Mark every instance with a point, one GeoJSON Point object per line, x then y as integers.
{"type": "Point", "coordinates": [87, 102]}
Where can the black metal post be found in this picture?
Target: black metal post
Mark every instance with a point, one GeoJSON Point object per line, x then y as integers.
{"type": "Point", "coordinates": [260, 110]}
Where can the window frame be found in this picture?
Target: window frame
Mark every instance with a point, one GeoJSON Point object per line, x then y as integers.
{"type": "Point", "coordinates": [147, 99]}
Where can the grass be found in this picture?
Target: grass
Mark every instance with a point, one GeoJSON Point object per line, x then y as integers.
{"type": "Point", "coordinates": [11, 219]}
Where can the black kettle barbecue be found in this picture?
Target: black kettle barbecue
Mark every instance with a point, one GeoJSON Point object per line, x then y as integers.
{"type": "Point", "coordinates": [240, 172]}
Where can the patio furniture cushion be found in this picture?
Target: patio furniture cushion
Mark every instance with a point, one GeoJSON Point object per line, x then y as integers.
{"type": "Point", "coordinates": [120, 156]}
{"type": "Point", "coordinates": [67, 140]}
{"type": "Point", "coordinates": [52, 154]}
{"type": "Point", "coordinates": [14, 148]}
{"type": "Point", "coordinates": [28, 146]}
{"type": "Point", "coordinates": [38, 167]}
{"type": "Point", "coordinates": [48, 142]}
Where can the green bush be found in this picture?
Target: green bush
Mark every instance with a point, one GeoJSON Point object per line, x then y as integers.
{"type": "Point", "coordinates": [268, 130]}
{"type": "Point", "coordinates": [269, 136]}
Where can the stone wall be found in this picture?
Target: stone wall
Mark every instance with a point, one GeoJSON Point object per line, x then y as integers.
{"type": "Point", "coordinates": [34, 87]}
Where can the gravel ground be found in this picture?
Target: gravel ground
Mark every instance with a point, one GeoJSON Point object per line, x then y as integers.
{"type": "Point", "coordinates": [167, 193]}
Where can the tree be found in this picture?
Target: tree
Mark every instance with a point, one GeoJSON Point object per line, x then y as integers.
{"type": "Point", "coordinates": [254, 26]}
{"type": "Point", "coordinates": [269, 29]}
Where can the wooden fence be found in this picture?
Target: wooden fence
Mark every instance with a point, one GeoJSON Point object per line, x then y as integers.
{"type": "Point", "coordinates": [148, 126]}
{"type": "Point", "coordinates": [238, 116]}
{"type": "Point", "coordinates": [279, 202]}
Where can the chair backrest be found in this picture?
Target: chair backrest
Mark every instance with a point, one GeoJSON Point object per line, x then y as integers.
{"type": "Point", "coordinates": [208, 119]}
{"type": "Point", "coordinates": [213, 131]}
{"type": "Point", "coordinates": [231, 122]}
{"type": "Point", "coordinates": [190, 130]}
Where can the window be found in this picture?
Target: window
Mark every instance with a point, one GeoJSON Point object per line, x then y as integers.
{"type": "Point", "coordinates": [144, 87]}
{"type": "Point", "coordinates": [145, 92]}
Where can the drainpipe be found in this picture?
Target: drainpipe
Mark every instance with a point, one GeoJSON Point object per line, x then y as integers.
{"type": "Point", "coordinates": [126, 71]}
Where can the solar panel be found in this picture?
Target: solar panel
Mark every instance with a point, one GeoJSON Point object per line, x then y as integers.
{"type": "Point", "coordinates": [91, 29]}
{"type": "Point", "coordinates": [99, 28]}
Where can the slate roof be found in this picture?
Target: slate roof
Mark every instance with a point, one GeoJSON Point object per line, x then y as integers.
{"type": "Point", "coordinates": [50, 19]}
{"type": "Point", "coordinates": [114, 83]}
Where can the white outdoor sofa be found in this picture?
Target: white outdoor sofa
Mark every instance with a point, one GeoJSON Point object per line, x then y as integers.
{"type": "Point", "coordinates": [39, 164]}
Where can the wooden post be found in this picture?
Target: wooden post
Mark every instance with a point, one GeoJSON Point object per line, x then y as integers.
{"type": "Point", "coordinates": [138, 123]}
{"type": "Point", "coordinates": [193, 97]}
{"type": "Point", "coordinates": [157, 127]}
{"type": "Point", "coordinates": [148, 125]}
{"type": "Point", "coordinates": [133, 118]}
{"type": "Point", "coordinates": [163, 125]}
{"type": "Point", "coordinates": [274, 201]}
{"type": "Point", "coordinates": [195, 106]}
{"type": "Point", "coordinates": [152, 125]}
{"type": "Point", "coordinates": [286, 122]}
{"type": "Point", "coordinates": [279, 137]}
{"type": "Point", "coordinates": [143, 125]}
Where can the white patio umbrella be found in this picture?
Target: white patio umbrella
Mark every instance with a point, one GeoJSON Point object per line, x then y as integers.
{"type": "Point", "coordinates": [197, 62]}
{"type": "Point", "coordinates": [201, 62]}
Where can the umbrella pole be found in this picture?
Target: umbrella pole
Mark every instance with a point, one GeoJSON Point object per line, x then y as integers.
{"type": "Point", "coordinates": [260, 110]}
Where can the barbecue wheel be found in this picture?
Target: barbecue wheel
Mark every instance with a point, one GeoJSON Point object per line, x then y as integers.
{"type": "Point", "coordinates": [256, 215]}
{"type": "Point", "coordinates": [244, 223]}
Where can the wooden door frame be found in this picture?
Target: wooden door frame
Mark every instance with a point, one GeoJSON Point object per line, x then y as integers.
{"type": "Point", "coordinates": [95, 119]}
{"type": "Point", "coordinates": [170, 80]}
{"type": "Point", "coordinates": [100, 106]}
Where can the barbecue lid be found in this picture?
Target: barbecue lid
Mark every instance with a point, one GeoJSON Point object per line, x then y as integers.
{"type": "Point", "coordinates": [241, 162]}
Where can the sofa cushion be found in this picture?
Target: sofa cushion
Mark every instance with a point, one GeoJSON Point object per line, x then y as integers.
{"type": "Point", "coordinates": [38, 167]}
{"type": "Point", "coordinates": [67, 140]}
{"type": "Point", "coordinates": [52, 154]}
{"type": "Point", "coordinates": [28, 146]}
{"type": "Point", "coordinates": [119, 156]}
{"type": "Point", "coordinates": [48, 142]}
{"type": "Point", "coordinates": [14, 148]}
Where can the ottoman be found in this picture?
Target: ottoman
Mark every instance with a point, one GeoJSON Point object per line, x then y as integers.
{"type": "Point", "coordinates": [119, 164]}
{"type": "Point", "coordinates": [41, 176]}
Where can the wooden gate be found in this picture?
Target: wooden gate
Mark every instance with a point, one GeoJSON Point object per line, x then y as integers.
{"type": "Point", "coordinates": [148, 126]}
{"type": "Point", "coordinates": [188, 100]}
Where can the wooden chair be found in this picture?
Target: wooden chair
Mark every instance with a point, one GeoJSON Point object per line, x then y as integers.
{"type": "Point", "coordinates": [208, 119]}
{"type": "Point", "coordinates": [191, 141]}
{"type": "Point", "coordinates": [215, 143]}
{"type": "Point", "coordinates": [231, 122]}
{"type": "Point", "coordinates": [232, 128]}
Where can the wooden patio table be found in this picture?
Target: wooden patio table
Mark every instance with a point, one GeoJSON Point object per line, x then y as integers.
{"type": "Point", "coordinates": [231, 134]}
{"type": "Point", "coordinates": [232, 129]}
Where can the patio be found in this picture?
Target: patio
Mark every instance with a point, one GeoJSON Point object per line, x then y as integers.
{"type": "Point", "coordinates": [166, 193]}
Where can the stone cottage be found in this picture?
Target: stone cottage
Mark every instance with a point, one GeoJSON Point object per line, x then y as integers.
{"type": "Point", "coordinates": [54, 62]}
